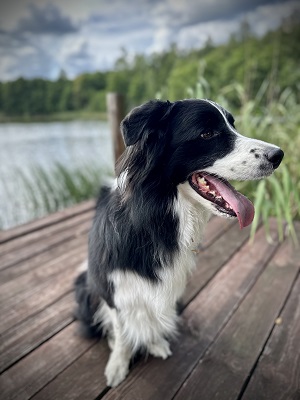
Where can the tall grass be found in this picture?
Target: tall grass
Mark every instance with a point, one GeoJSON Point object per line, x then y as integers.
{"type": "Point", "coordinates": [276, 121]}
{"type": "Point", "coordinates": [43, 191]}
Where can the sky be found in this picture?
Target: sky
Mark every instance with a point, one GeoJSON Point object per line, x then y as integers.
{"type": "Point", "coordinates": [39, 38]}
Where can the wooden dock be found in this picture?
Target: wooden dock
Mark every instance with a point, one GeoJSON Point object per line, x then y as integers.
{"type": "Point", "coordinates": [239, 335]}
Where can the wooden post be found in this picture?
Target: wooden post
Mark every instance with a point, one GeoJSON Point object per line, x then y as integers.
{"type": "Point", "coordinates": [116, 112]}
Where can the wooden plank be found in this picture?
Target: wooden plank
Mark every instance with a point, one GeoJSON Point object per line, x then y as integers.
{"type": "Point", "coordinates": [29, 334]}
{"type": "Point", "coordinates": [212, 258]}
{"type": "Point", "coordinates": [84, 379]}
{"type": "Point", "coordinates": [29, 375]}
{"type": "Point", "coordinates": [44, 245]}
{"type": "Point", "coordinates": [45, 258]}
{"type": "Point", "coordinates": [214, 229]}
{"type": "Point", "coordinates": [46, 221]}
{"type": "Point", "coordinates": [228, 363]}
{"type": "Point", "coordinates": [28, 282]}
{"type": "Point", "coordinates": [25, 304]}
{"type": "Point", "coordinates": [277, 375]}
{"type": "Point", "coordinates": [44, 233]}
{"type": "Point", "coordinates": [203, 319]}
{"type": "Point", "coordinates": [94, 360]}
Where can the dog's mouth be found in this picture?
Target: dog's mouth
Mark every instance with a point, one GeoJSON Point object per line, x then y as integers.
{"type": "Point", "coordinates": [224, 196]}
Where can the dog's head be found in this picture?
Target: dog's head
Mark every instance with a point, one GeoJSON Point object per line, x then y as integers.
{"type": "Point", "coordinates": [194, 143]}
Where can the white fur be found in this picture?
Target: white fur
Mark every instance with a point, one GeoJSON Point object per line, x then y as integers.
{"type": "Point", "coordinates": [83, 266]}
{"type": "Point", "coordinates": [145, 312]}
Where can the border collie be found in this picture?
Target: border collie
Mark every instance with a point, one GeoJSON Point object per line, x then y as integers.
{"type": "Point", "coordinates": [171, 178]}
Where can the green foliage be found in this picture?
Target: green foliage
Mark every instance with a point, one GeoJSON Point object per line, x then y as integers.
{"type": "Point", "coordinates": [276, 121]}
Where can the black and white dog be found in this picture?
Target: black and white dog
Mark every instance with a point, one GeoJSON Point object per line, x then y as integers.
{"type": "Point", "coordinates": [171, 178]}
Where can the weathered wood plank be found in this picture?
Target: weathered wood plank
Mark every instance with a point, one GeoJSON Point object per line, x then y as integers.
{"type": "Point", "coordinates": [29, 334]}
{"type": "Point", "coordinates": [214, 229]}
{"type": "Point", "coordinates": [44, 245]}
{"type": "Point", "coordinates": [20, 307]}
{"type": "Point", "coordinates": [44, 233]}
{"type": "Point", "coordinates": [46, 221]}
{"type": "Point", "coordinates": [94, 360]}
{"type": "Point", "coordinates": [277, 375]}
{"type": "Point", "coordinates": [40, 259]}
{"type": "Point", "coordinates": [84, 379]}
{"type": "Point", "coordinates": [30, 374]}
{"type": "Point", "coordinates": [227, 364]}
{"type": "Point", "coordinates": [203, 319]}
{"type": "Point", "coordinates": [29, 281]}
{"type": "Point", "coordinates": [211, 259]}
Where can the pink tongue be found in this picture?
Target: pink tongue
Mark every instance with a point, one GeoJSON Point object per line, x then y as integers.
{"type": "Point", "coordinates": [240, 204]}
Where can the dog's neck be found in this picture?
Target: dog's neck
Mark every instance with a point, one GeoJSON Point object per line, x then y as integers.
{"type": "Point", "coordinates": [193, 218]}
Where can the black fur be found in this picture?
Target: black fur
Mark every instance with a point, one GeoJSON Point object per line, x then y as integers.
{"type": "Point", "coordinates": [132, 227]}
{"type": "Point", "coordinates": [87, 307]}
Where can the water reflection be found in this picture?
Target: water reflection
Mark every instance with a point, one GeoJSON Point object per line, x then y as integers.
{"type": "Point", "coordinates": [26, 146]}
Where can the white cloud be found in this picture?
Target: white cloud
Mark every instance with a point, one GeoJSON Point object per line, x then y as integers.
{"type": "Point", "coordinates": [193, 35]}
{"type": "Point", "coordinates": [86, 36]}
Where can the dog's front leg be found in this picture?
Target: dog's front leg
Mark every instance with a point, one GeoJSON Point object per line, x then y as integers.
{"type": "Point", "coordinates": [160, 349]}
{"type": "Point", "coordinates": [118, 364]}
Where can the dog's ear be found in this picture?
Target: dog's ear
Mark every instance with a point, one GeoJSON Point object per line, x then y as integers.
{"type": "Point", "coordinates": [143, 120]}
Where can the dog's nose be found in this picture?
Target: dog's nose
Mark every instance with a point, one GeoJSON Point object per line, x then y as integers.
{"type": "Point", "coordinates": [275, 157]}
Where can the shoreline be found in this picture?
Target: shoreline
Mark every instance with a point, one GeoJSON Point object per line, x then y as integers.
{"type": "Point", "coordinates": [56, 117]}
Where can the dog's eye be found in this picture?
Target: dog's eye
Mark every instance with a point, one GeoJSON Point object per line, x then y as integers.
{"type": "Point", "coordinates": [208, 135]}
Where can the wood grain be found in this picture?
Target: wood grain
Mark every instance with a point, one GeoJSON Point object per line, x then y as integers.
{"type": "Point", "coordinates": [44, 233]}
{"type": "Point", "coordinates": [25, 304]}
{"type": "Point", "coordinates": [84, 379]}
{"type": "Point", "coordinates": [29, 375]}
{"type": "Point", "coordinates": [227, 364]}
{"type": "Point", "coordinates": [41, 259]}
{"type": "Point", "coordinates": [228, 330]}
{"type": "Point", "coordinates": [24, 337]}
{"type": "Point", "coordinates": [277, 375]}
{"type": "Point", "coordinates": [212, 258]}
{"type": "Point", "coordinates": [48, 220]}
{"type": "Point", "coordinates": [30, 281]}
{"type": "Point", "coordinates": [43, 245]}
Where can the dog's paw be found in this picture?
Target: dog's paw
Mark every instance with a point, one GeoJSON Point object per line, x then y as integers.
{"type": "Point", "coordinates": [115, 371]}
{"type": "Point", "coordinates": [160, 349]}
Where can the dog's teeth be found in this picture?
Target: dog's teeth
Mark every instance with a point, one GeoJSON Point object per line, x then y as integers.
{"type": "Point", "coordinates": [219, 197]}
{"type": "Point", "coordinates": [201, 181]}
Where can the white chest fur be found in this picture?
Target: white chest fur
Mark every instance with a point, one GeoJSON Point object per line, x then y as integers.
{"type": "Point", "coordinates": [147, 310]}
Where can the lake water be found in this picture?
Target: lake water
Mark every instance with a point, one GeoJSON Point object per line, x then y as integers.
{"type": "Point", "coordinates": [25, 146]}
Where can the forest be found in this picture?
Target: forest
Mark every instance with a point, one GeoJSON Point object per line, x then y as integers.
{"type": "Point", "coordinates": [245, 60]}
{"type": "Point", "coordinates": [255, 78]}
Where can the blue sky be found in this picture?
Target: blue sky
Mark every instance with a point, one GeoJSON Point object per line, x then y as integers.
{"type": "Point", "coordinates": [38, 38]}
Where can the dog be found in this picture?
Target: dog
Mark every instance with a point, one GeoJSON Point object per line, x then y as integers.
{"type": "Point", "coordinates": [171, 178]}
